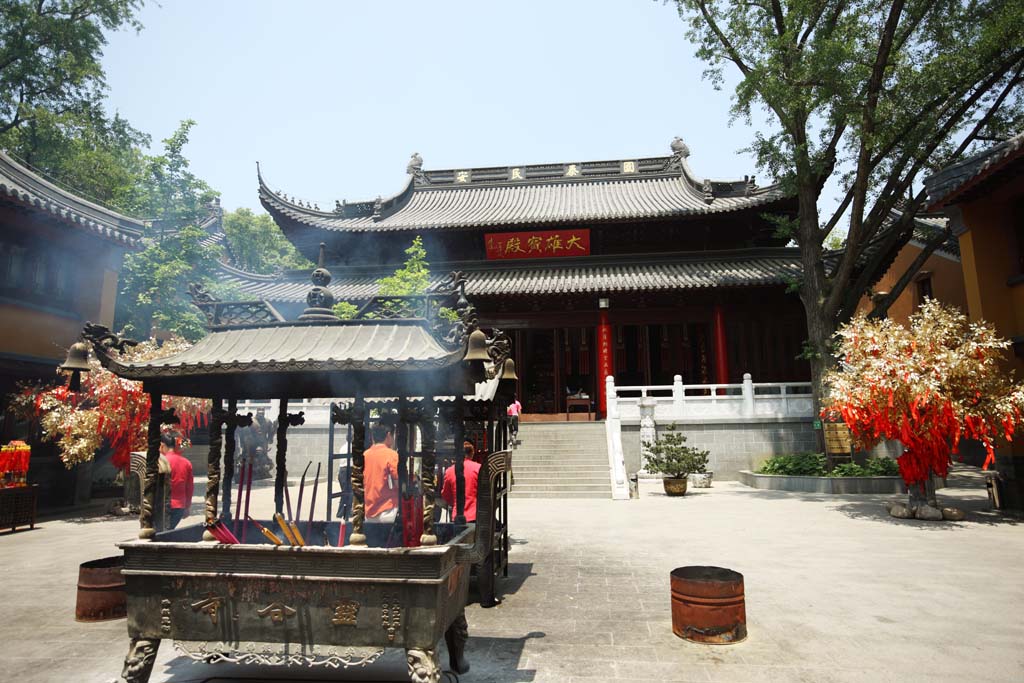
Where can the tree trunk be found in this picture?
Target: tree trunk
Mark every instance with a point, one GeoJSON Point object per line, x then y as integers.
{"type": "Point", "coordinates": [919, 495]}
{"type": "Point", "coordinates": [814, 293]}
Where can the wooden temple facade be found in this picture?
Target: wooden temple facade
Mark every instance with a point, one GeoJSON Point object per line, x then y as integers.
{"type": "Point", "coordinates": [636, 268]}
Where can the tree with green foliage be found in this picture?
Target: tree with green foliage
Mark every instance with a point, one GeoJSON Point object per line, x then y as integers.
{"type": "Point", "coordinates": [256, 244]}
{"type": "Point", "coordinates": [411, 279]}
{"type": "Point", "coordinates": [871, 96]}
{"type": "Point", "coordinates": [50, 54]}
{"type": "Point", "coordinates": [154, 282]}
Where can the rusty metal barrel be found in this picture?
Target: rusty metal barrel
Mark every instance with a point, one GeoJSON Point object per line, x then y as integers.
{"type": "Point", "coordinates": [708, 605]}
{"type": "Point", "coordinates": [101, 592]}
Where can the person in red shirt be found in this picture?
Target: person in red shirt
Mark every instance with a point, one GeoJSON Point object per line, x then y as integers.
{"type": "Point", "coordinates": [182, 481]}
{"type": "Point", "coordinates": [471, 475]}
{"type": "Point", "coordinates": [380, 477]}
{"type": "Point", "coordinates": [513, 411]}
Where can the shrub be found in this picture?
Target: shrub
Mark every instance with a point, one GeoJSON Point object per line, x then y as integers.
{"type": "Point", "coordinates": [669, 455]}
{"type": "Point", "coordinates": [796, 465]}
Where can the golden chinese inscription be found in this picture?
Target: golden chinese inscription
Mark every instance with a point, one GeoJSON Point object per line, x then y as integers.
{"type": "Point", "coordinates": [210, 606]}
{"type": "Point", "coordinates": [462, 176]}
{"type": "Point", "coordinates": [629, 167]}
{"type": "Point", "coordinates": [516, 174]}
{"type": "Point", "coordinates": [345, 613]}
{"type": "Point", "coordinates": [277, 611]}
{"type": "Point", "coordinates": [390, 614]}
{"type": "Point", "coordinates": [572, 171]}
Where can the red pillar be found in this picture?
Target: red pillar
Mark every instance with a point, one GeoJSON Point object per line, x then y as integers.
{"type": "Point", "coordinates": [721, 350]}
{"type": "Point", "coordinates": [605, 364]}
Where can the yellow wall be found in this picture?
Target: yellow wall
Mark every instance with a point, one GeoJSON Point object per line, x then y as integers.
{"type": "Point", "coordinates": [947, 283]}
{"type": "Point", "coordinates": [29, 332]}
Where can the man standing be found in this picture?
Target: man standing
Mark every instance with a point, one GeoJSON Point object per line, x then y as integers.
{"type": "Point", "coordinates": [181, 479]}
{"type": "Point", "coordinates": [380, 478]}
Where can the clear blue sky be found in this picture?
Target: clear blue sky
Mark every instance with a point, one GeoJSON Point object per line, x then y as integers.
{"type": "Point", "coordinates": [333, 97]}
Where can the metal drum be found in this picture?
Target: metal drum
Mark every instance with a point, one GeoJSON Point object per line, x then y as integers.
{"type": "Point", "coordinates": [101, 591]}
{"type": "Point", "coordinates": [708, 605]}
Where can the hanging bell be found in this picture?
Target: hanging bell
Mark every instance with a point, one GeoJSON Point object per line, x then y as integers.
{"type": "Point", "coordinates": [76, 363]}
{"type": "Point", "coordinates": [476, 349]}
{"type": "Point", "coordinates": [508, 371]}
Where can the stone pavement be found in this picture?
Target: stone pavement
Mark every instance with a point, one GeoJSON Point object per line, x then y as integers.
{"type": "Point", "coordinates": [836, 591]}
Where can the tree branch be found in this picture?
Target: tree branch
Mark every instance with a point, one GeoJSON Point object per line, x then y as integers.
{"type": "Point", "coordinates": [883, 304]}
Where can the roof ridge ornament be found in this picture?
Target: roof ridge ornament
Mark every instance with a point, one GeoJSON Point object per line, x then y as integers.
{"type": "Point", "coordinates": [319, 301]}
{"type": "Point", "coordinates": [679, 147]}
{"type": "Point", "coordinates": [709, 194]}
{"type": "Point", "coordinates": [378, 204]}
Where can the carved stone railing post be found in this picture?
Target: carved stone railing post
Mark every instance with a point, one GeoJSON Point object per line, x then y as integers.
{"type": "Point", "coordinates": [648, 430]}
{"type": "Point", "coordinates": [678, 396]}
{"type": "Point", "coordinates": [152, 467]}
{"type": "Point", "coordinates": [428, 433]}
{"type": "Point", "coordinates": [358, 538]}
{"type": "Point", "coordinates": [748, 395]}
{"type": "Point", "coordinates": [217, 419]}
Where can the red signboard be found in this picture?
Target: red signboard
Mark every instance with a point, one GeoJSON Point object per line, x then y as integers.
{"type": "Point", "coordinates": [538, 244]}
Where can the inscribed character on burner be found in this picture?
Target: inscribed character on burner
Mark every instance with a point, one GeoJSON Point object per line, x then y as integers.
{"type": "Point", "coordinates": [572, 171]}
{"type": "Point", "coordinates": [629, 167]}
{"type": "Point", "coordinates": [517, 174]}
{"type": "Point", "coordinates": [462, 176]}
{"type": "Point", "coordinates": [534, 243]}
{"type": "Point", "coordinates": [554, 243]}
{"type": "Point", "coordinates": [574, 243]}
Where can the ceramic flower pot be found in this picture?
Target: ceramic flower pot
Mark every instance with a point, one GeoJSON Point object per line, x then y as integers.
{"type": "Point", "coordinates": [674, 486]}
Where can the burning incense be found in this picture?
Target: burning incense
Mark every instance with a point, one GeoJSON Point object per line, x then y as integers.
{"type": "Point", "coordinates": [232, 539]}
{"type": "Point", "coordinates": [341, 533]}
{"type": "Point", "coordinates": [302, 486]}
{"type": "Point", "coordinates": [299, 540]}
{"type": "Point", "coordinates": [248, 494]}
{"type": "Point", "coordinates": [288, 501]}
{"type": "Point", "coordinates": [312, 503]}
{"type": "Point", "coordinates": [271, 536]}
{"type": "Point", "coordinates": [285, 528]}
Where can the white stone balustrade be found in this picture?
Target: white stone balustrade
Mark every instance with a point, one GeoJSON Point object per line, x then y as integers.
{"type": "Point", "coordinates": [695, 402]}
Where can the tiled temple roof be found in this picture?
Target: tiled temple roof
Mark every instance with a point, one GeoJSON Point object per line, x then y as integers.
{"type": "Point", "coordinates": [655, 187]}
{"type": "Point", "coordinates": [580, 275]}
{"type": "Point", "coordinates": [960, 178]}
{"type": "Point", "coordinates": [20, 185]}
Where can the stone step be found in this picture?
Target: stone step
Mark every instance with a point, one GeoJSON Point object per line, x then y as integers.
{"type": "Point", "coordinates": [562, 494]}
{"type": "Point", "coordinates": [605, 486]}
{"type": "Point", "coordinates": [570, 482]}
{"type": "Point", "coordinates": [560, 466]}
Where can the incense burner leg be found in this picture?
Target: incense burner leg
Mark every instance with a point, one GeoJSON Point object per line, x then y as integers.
{"type": "Point", "coordinates": [138, 665]}
{"type": "Point", "coordinates": [429, 476]}
{"type": "Point", "coordinates": [148, 497]}
{"type": "Point", "coordinates": [455, 638]}
{"type": "Point", "coordinates": [424, 666]}
{"type": "Point", "coordinates": [358, 537]}
{"type": "Point", "coordinates": [217, 418]}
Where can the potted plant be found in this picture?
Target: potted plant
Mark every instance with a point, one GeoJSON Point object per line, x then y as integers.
{"type": "Point", "coordinates": [669, 455]}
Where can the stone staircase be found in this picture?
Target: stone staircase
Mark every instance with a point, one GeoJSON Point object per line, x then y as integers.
{"type": "Point", "coordinates": [561, 460]}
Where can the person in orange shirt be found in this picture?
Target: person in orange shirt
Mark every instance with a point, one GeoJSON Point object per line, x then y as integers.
{"type": "Point", "coordinates": [471, 475]}
{"type": "Point", "coordinates": [380, 477]}
{"type": "Point", "coordinates": [181, 479]}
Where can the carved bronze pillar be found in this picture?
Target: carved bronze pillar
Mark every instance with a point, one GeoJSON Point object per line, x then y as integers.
{"type": "Point", "coordinates": [281, 476]}
{"type": "Point", "coordinates": [428, 434]}
{"type": "Point", "coordinates": [229, 457]}
{"type": "Point", "coordinates": [217, 417]}
{"type": "Point", "coordinates": [358, 538]}
{"type": "Point", "coordinates": [152, 466]}
{"type": "Point", "coordinates": [460, 457]}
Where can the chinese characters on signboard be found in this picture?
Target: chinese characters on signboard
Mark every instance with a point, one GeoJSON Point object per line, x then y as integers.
{"type": "Point", "coordinates": [537, 244]}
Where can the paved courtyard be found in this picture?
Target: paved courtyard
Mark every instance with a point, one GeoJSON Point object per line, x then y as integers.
{"type": "Point", "coordinates": [835, 589]}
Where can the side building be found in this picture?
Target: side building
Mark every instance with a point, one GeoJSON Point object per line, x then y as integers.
{"type": "Point", "coordinates": [636, 268]}
{"type": "Point", "coordinates": [60, 260]}
{"type": "Point", "coordinates": [983, 196]}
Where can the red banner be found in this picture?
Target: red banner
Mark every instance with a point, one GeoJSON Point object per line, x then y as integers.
{"type": "Point", "coordinates": [605, 364]}
{"type": "Point", "coordinates": [538, 244]}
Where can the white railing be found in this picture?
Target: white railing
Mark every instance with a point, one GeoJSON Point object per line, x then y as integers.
{"type": "Point", "coordinates": [678, 401]}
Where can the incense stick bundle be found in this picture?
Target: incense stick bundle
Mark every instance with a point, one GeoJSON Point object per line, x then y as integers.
{"type": "Point", "coordinates": [248, 494]}
{"type": "Point", "coordinates": [271, 536]}
{"type": "Point", "coordinates": [287, 530]}
{"type": "Point", "coordinates": [226, 531]}
{"type": "Point", "coordinates": [299, 540]}
{"type": "Point", "coordinates": [241, 487]}
{"type": "Point", "coordinates": [220, 532]}
{"type": "Point", "coordinates": [288, 501]}
{"type": "Point", "coordinates": [312, 502]}
{"type": "Point", "coordinates": [302, 486]}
